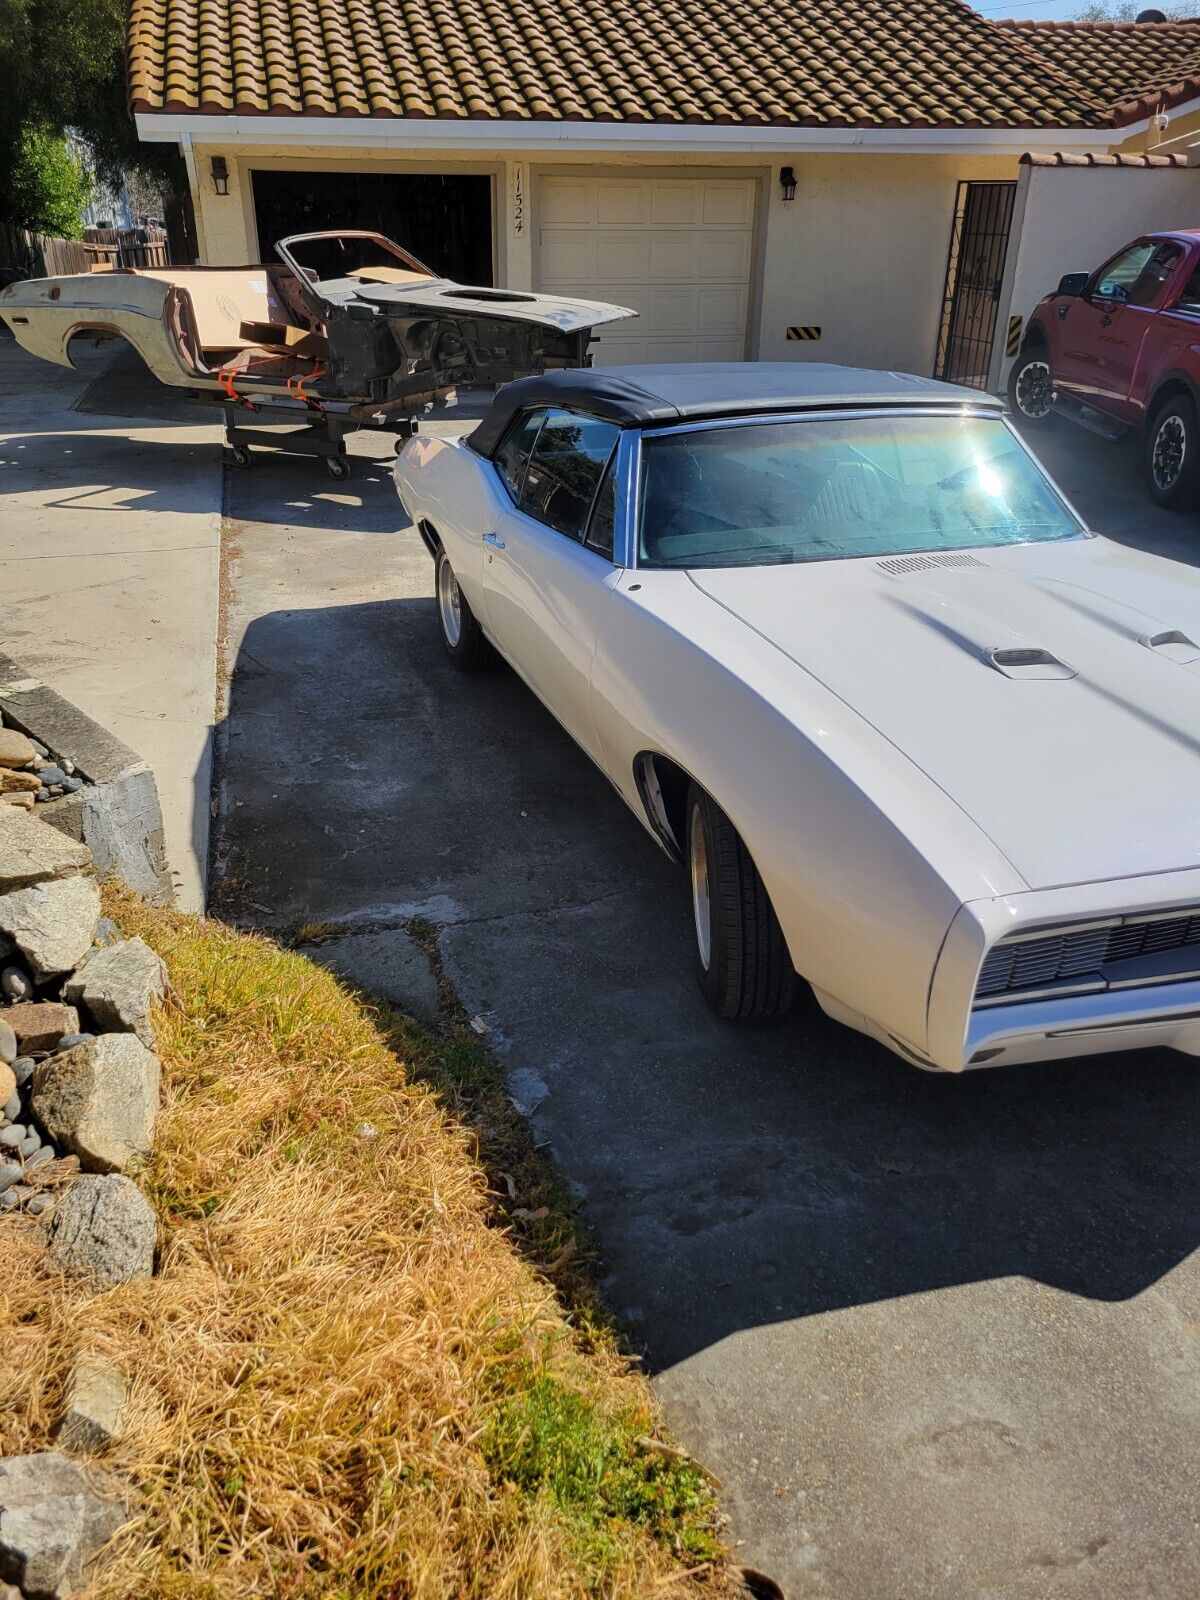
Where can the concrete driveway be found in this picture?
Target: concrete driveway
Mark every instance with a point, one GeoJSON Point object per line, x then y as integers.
{"type": "Point", "coordinates": [937, 1336]}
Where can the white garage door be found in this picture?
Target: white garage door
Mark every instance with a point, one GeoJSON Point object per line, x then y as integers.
{"type": "Point", "coordinates": [677, 250]}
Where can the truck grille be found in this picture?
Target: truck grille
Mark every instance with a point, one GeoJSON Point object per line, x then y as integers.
{"type": "Point", "coordinates": [1080, 958]}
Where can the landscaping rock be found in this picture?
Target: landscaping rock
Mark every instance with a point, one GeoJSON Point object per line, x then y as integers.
{"type": "Point", "coordinates": [8, 1083]}
{"type": "Point", "coordinates": [23, 1070]}
{"type": "Point", "coordinates": [11, 1109]}
{"type": "Point", "coordinates": [54, 1518]}
{"type": "Point", "coordinates": [13, 1135]}
{"type": "Point", "coordinates": [52, 923]}
{"type": "Point", "coordinates": [33, 852]}
{"type": "Point", "coordinates": [10, 1172]}
{"type": "Point", "coordinates": [118, 985]}
{"type": "Point", "coordinates": [70, 1040]}
{"type": "Point", "coordinates": [40, 1026]}
{"type": "Point", "coordinates": [103, 1229]}
{"type": "Point", "coordinates": [15, 749]}
{"type": "Point", "coordinates": [19, 782]}
{"type": "Point", "coordinates": [96, 1399]}
{"type": "Point", "coordinates": [100, 1101]}
{"type": "Point", "coordinates": [15, 984]}
{"type": "Point", "coordinates": [8, 1045]}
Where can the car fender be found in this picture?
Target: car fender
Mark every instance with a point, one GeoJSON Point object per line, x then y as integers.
{"type": "Point", "coordinates": [1169, 379]}
{"type": "Point", "coordinates": [443, 488]}
{"type": "Point", "coordinates": [865, 860]}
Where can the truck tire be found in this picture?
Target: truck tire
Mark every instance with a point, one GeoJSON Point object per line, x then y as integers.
{"type": "Point", "coordinates": [1031, 387]}
{"type": "Point", "coordinates": [1171, 454]}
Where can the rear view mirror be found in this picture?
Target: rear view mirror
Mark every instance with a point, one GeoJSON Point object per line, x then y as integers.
{"type": "Point", "coordinates": [1073, 283]}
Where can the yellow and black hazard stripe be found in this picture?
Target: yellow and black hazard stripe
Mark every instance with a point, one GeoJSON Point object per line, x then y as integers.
{"type": "Point", "coordinates": [1013, 343]}
{"type": "Point", "coordinates": [804, 333]}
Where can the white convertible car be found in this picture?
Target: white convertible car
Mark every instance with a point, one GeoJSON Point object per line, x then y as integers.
{"type": "Point", "coordinates": [849, 655]}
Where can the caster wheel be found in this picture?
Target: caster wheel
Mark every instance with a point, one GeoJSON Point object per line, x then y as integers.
{"type": "Point", "coordinates": [337, 467]}
{"type": "Point", "coordinates": [241, 455]}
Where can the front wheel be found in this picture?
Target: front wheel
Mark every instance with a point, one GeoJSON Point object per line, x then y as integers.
{"type": "Point", "coordinates": [462, 636]}
{"type": "Point", "coordinates": [1172, 454]}
{"type": "Point", "coordinates": [742, 960]}
{"type": "Point", "coordinates": [1031, 387]}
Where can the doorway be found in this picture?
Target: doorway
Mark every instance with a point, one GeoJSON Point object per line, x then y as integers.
{"type": "Point", "coordinates": [444, 219]}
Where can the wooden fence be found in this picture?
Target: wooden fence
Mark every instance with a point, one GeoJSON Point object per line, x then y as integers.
{"type": "Point", "coordinates": [127, 247]}
{"type": "Point", "coordinates": [33, 255]}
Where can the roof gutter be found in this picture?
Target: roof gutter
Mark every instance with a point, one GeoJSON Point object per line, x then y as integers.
{"type": "Point", "coordinates": [467, 133]}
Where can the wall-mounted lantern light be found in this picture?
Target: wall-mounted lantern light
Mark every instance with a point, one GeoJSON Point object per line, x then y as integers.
{"type": "Point", "coordinates": [787, 182]}
{"type": "Point", "coordinates": [220, 174]}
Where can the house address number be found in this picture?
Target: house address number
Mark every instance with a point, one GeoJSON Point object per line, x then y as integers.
{"type": "Point", "coordinates": [519, 201]}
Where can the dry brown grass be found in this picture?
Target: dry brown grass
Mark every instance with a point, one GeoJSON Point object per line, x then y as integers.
{"type": "Point", "coordinates": [346, 1380]}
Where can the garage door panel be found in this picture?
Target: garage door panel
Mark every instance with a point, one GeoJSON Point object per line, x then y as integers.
{"type": "Point", "coordinates": [728, 205]}
{"type": "Point", "coordinates": [676, 250]}
{"type": "Point", "coordinates": [620, 202]}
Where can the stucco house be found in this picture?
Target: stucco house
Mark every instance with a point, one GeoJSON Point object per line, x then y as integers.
{"type": "Point", "coordinates": [759, 178]}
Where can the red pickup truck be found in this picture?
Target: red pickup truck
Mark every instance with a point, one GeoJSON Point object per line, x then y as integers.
{"type": "Point", "coordinates": [1119, 349]}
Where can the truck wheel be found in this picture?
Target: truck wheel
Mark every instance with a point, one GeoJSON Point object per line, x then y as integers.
{"type": "Point", "coordinates": [1172, 454]}
{"type": "Point", "coordinates": [742, 960]}
{"type": "Point", "coordinates": [1031, 388]}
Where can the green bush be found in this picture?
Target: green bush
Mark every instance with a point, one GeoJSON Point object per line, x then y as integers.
{"type": "Point", "coordinates": [50, 188]}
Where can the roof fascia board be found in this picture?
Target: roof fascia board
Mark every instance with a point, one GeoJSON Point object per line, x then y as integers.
{"type": "Point", "coordinates": [445, 133]}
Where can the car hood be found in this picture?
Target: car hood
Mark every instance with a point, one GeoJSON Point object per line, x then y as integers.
{"type": "Point", "coordinates": [1080, 765]}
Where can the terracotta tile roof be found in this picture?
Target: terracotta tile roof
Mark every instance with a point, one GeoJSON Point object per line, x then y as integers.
{"type": "Point", "coordinates": [1035, 158]}
{"type": "Point", "coordinates": [1126, 65]}
{"type": "Point", "coordinates": [857, 63]}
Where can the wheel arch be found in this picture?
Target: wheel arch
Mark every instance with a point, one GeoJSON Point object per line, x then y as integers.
{"type": "Point", "coordinates": [429, 537]}
{"type": "Point", "coordinates": [662, 786]}
{"type": "Point", "coordinates": [1035, 337]}
{"type": "Point", "coordinates": [1172, 383]}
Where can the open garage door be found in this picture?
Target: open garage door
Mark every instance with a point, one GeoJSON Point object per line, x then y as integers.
{"type": "Point", "coordinates": [677, 250]}
{"type": "Point", "coordinates": [445, 219]}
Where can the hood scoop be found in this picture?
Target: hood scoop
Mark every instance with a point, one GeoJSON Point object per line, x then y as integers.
{"type": "Point", "coordinates": [1026, 661]}
{"type": "Point", "coordinates": [900, 566]}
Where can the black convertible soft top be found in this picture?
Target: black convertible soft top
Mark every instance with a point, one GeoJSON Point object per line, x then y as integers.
{"type": "Point", "coordinates": [655, 395]}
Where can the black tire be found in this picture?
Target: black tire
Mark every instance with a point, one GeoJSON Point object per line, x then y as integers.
{"type": "Point", "coordinates": [1031, 387]}
{"type": "Point", "coordinates": [1171, 454]}
{"type": "Point", "coordinates": [462, 636]}
{"type": "Point", "coordinates": [745, 971]}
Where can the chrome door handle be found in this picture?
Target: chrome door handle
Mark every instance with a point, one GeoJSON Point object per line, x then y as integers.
{"type": "Point", "coordinates": [494, 539]}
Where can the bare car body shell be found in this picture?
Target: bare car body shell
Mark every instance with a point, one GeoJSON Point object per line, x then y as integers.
{"type": "Point", "coordinates": [383, 336]}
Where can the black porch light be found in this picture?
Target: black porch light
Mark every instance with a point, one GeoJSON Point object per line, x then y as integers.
{"type": "Point", "coordinates": [787, 182]}
{"type": "Point", "coordinates": [220, 174]}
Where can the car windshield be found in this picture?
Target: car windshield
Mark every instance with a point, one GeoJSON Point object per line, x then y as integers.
{"type": "Point", "coordinates": [761, 493]}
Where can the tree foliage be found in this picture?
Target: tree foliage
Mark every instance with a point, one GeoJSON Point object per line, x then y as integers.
{"type": "Point", "coordinates": [62, 65]}
{"type": "Point", "coordinates": [48, 185]}
{"type": "Point", "coordinates": [1128, 11]}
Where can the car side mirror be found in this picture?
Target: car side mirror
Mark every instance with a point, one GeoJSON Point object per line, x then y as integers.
{"type": "Point", "coordinates": [1073, 283]}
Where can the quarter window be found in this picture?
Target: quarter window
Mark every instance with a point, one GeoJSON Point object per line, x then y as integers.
{"type": "Point", "coordinates": [565, 469]}
{"type": "Point", "coordinates": [512, 456]}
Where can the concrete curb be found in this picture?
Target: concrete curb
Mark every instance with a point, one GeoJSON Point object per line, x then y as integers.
{"type": "Point", "coordinates": [116, 814]}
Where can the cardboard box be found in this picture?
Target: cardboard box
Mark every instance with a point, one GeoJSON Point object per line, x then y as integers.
{"type": "Point", "coordinates": [284, 337]}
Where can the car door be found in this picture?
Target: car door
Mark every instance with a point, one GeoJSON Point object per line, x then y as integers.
{"type": "Point", "coordinates": [548, 570]}
{"type": "Point", "coordinates": [1138, 315]}
{"type": "Point", "coordinates": [1090, 354]}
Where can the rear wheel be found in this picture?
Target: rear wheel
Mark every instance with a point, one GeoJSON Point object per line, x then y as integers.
{"type": "Point", "coordinates": [1172, 454]}
{"type": "Point", "coordinates": [461, 635]}
{"type": "Point", "coordinates": [1031, 387]}
{"type": "Point", "coordinates": [742, 961]}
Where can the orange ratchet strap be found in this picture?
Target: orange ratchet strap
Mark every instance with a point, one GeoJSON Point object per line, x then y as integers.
{"type": "Point", "coordinates": [295, 386]}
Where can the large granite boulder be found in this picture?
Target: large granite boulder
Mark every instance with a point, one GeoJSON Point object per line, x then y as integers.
{"type": "Point", "coordinates": [118, 985]}
{"type": "Point", "coordinates": [52, 923]}
{"type": "Point", "coordinates": [103, 1229]}
{"type": "Point", "coordinates": [100, 1100]}
{"type": "Point", "coordinates": [54, 1518]}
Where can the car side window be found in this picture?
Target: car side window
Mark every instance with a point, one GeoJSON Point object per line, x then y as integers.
{"type": "Point", "coordinates": [1154, 274]}
{"type": "Point", "coordinates": [602, 526]}
{"type": "Point", "coordinates": [512, 453]}
{"type": "Point", "coordinates": [1117, 277]}
{"type": "Point", "coordinates": [565, 468]}
{"type": "Point", "coordinates": [1189, 298]}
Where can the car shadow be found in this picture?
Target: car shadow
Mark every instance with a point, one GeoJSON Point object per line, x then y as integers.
{"type": "Point", "coordinates": [732, 1176]}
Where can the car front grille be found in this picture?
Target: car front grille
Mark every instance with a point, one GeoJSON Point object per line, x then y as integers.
{"type": "Point", "coordinates": [1083, 958]}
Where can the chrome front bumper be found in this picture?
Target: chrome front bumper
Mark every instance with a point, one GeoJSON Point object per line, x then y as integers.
{"type": "Point", "coordinates": [1165, 1015]}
